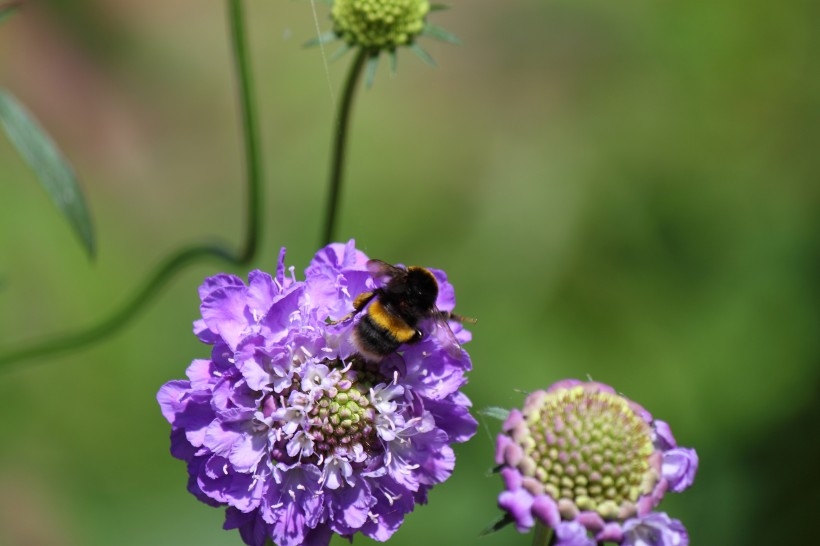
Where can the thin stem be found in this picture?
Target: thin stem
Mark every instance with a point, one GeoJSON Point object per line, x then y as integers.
{"type": "Point", "coordinates": [340, 142]}
{"type": "Point", "coordinates": [543, 535]}
{"type": "Point", "coordinates": [111, 324]}
{"type": "Point", "coordinates": [191, 254]}
{"type": "Point", "coordinates": [247, 105]}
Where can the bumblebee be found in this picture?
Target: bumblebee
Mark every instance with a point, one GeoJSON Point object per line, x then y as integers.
{"type": "Point", "coordinates": [408, 295]}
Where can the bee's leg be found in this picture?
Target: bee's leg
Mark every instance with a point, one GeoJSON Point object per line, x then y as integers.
{"type": "Point", "coordinates": [448, 315]}
{"type": "Point", "coordinates": [358, 304]}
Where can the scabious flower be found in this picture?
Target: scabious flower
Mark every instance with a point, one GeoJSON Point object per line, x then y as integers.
{"type": "Point", "coordinates": [292, 431]}
{"type": "Point", "coordinates": [591, 465]}
{"type": "Point", "coordinates": [379, 24]}
{"type": "Point", "coordinates": [383, 26]}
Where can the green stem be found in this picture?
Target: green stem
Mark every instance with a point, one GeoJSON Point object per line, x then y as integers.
{"type": "Point", "coordinates": [191, 254]}
{"type": "Point", "coordinates": [247, 105]}
{"type": "Point", "coordinates": [543, 535]}
{"type": "Point", "coordinates": [340, 142]}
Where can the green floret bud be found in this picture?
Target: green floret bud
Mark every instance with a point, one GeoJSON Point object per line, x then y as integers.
{"type": "Point", "coordinates": [379, 24]}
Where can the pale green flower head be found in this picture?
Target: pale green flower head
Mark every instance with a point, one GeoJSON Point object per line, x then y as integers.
{"type": "Point", "coordinates": [382, 26]}
{"type": "Point", "coordinates": [379, 24]}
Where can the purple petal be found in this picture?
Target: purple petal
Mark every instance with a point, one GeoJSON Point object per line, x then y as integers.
{"type": "Point", "coordinates": [655, 529]}
{"type": "Point", "coordinates": [453, 417]}
{"type": "Point", "coordinates": [518, 504]}
{"type": "Point", "coordinates": [224, 311]}
{"type": "Point", "coordinates": [679, 468]}
{"type": "Point", "coordinates": [664, 440]}
{"type": "Point", "coordinates": [349, 507]}
{"type": "Point", "coordinates": [392, 504]}
{"type": "Point", "coordinates": [252, 528]}
{"type": "Point", "coordinates": [261, 292]}
{"type": "Point", "coordinates": [219, 481]}
{"type": "Point", "coordinates": [545, 509]}
{"type": "Point", "coordinates": [572, 533]}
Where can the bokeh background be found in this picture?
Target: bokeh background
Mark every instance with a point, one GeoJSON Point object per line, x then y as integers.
{"type": "Point", "coordinates": [624, 190]}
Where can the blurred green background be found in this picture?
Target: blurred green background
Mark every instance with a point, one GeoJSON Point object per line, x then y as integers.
{"type": "Point", "coordinates": [626, 190]}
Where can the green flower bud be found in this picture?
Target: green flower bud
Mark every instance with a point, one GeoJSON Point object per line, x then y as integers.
{"type": "Point", "coordinates": [379, 24]}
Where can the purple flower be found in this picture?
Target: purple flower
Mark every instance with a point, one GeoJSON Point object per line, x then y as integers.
{"type": "Point", "coordinates": [290, 429]}
{"type": "Point", "coordinates": [592, 466]}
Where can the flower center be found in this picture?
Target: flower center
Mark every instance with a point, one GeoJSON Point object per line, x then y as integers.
{"type": "Point", "coordinates": [588, 450]}
{"type": "Point", "coordinates": [328, 415]}
{"type": "Point", "coordinates": [341, 421]}
{"type": "Point", "coordinates": [379, 24]}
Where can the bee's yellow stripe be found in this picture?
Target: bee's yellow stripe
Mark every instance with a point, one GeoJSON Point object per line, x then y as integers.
{"type": "Point", "coordinates": [394, 325]}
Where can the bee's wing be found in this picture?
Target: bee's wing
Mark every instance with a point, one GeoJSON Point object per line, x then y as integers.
{"type": "Point", "coordinates": [445, 334]}
{"type": "Point", "coordinates": [389, 276]}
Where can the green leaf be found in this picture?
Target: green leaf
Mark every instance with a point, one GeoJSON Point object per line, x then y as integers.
{"type": "Point", "coordinates": [439, 7]}
{"type": "Point", "coordinates": [7, 10]}
{"type": "Point", "coordinates": [51, 168]}
{"type": "Point", "coordinates": [440, 34]}
{"type": "Point", "coordinates": [497, 525]}
{"type": "Point", "coordinates": [495, 412]}
{"type": "Point", "coordinates": [394, 62]}
{"type": "Point", "coordinates": [370, 70]}
{"type": "Point", "coordinates": [325, 38]}
{"type": "Point", "coordinates": [339, 53]}
{"type": "Point", "coordinates": [423, 55]}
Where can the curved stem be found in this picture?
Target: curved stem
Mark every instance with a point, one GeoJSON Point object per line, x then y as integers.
{"type": "Point", "coordinates": [340, 142]}
{"type": "Point", "coordinates": [188, 255]}
{"type": "Point", "coordinates": [247, 105]}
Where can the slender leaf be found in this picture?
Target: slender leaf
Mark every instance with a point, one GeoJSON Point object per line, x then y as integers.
{"type": "Point", "coordinates": [394, 62]}
{"type": "Point", "coordinates": [53, 171]}
{"type": "Point", "coordinates": [339, 53]}
{"type": "Point", "coordinates": [423, 55]}
{"type": "Point", "coordinates": [7, 10]}
{"type": "Point", "coordinates": [495, 412]}
{"type": "Point", "coordinates": [439, 33]}
{"type": "Point", "coordinates": [439, 7]}
{"type": "Point", "coordinates": [497, 525]}
{"type": "Point", "coordinates": [325, 38]}
{"type": "Point", "coordinates": [370, 70]}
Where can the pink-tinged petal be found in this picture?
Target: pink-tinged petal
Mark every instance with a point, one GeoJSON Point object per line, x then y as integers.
{"type": "Point", "coordinates": [572, 534]}
{"type": "Point", "coordinates": [679, 468]}
{"type": "Point", "coordinates": [518, 504]}
{"type": "Point", "coordinates": [655, 529]}
{"type": "Point", "coordinates": [545, 509]}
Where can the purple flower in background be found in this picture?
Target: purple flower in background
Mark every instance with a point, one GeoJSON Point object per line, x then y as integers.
{"type": "Point", "coordinates": [292, 430]}
{"type": "Point", "coordinates": [592, 466]}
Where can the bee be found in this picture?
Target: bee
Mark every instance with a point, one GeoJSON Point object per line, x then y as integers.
{"type": "Point", "coordinates": [407, 297]}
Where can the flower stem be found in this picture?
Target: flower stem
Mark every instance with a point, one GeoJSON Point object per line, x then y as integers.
{"type": "Point", "coordinates": [543, 535]}
{"type": "Point", "coordinates": [190, 254]}
{"type": "Point", "coordinates": [247, 106]}
{"type": "Point", "coordinates": [340, 142]}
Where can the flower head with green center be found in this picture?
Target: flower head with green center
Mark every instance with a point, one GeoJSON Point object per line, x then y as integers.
{"type": "Point", "coordinates": [591, 465]}
{"type": "Point", "coordinates": [376, 26]}
{"type": "Point", "coordinates": [291, 429]}
{"type": "Point", "coordinates": [379, 24]}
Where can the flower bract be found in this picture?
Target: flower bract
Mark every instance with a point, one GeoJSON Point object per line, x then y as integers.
{"type": "Point", "coordinates": [592, 466]}
{"type": "Point", "coordinates": [298, 436]}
